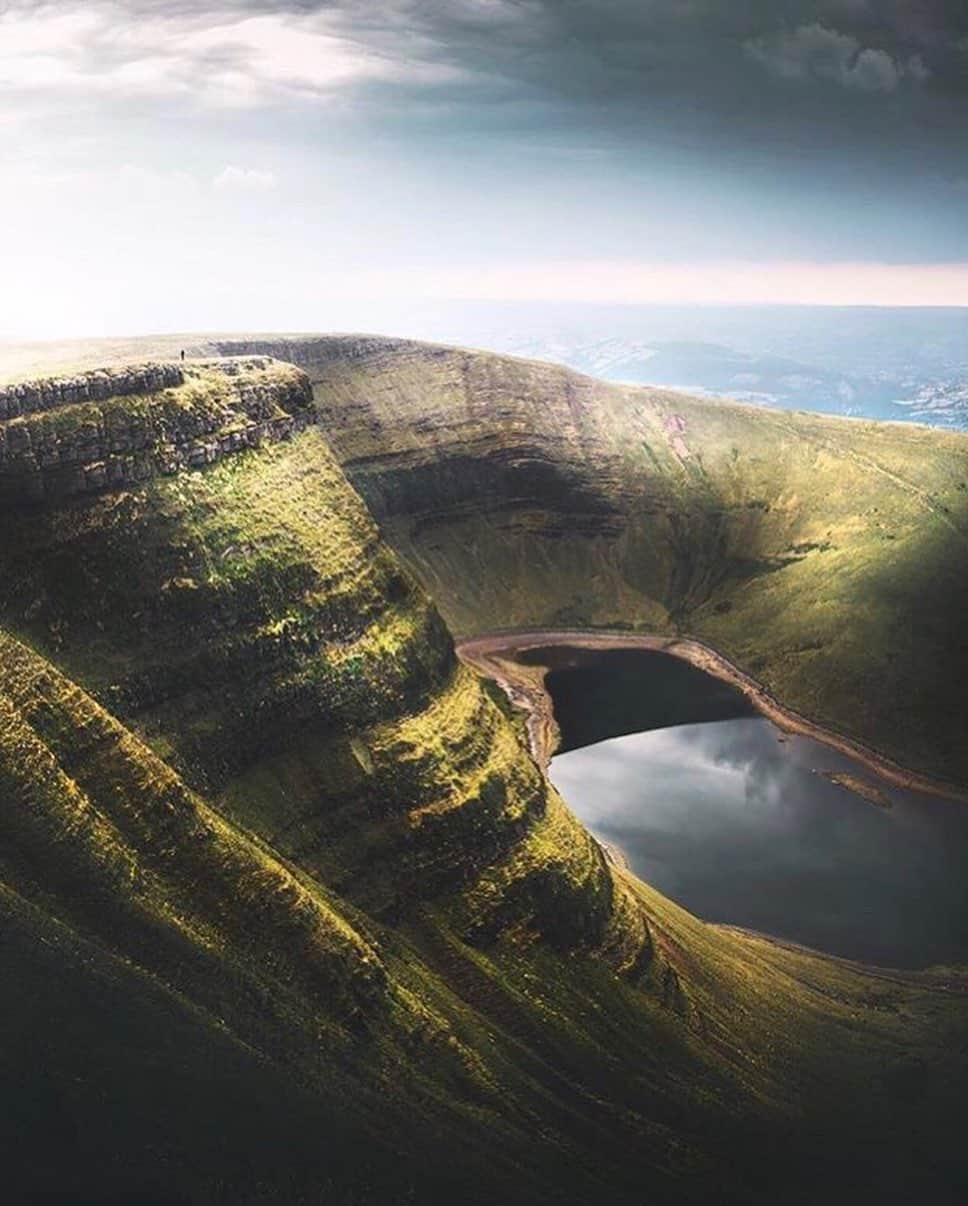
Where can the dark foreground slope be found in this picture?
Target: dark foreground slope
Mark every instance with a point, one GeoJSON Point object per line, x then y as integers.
{"type": "Point", "coordinates": [288, 913]}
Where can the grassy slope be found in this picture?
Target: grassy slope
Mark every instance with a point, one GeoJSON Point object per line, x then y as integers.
{"type": "Point", "coordinates": [258, 821]}
{"type": "Point", "coordinates": [827, 557]}
{"type": "Point", "coordinates": [508, 1064]}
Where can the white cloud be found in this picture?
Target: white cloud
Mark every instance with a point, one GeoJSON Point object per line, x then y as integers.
{"type": "Point", "coordinates": [245, 180]}
{"type": "Point", "coordinates": [872, 71]}
{"type": "Point", "coordinates": [801, 53]}
{"type": "Point", "coordinates": [222, 56]}
{"type": "Point", "coordinates": [816, 52]}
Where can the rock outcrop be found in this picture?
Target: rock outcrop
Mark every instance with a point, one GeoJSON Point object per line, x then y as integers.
{"type": "Point", "coordinates": [105, 430]}
{"type": "Point", "coordinates": [94, 386]}
{"type": "Point", "coordinates": [236, 744]}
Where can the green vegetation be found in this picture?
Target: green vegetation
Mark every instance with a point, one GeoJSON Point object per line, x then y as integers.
{"type": "Point", "coordinates": [826, 557]}
{"type": "Point", "coordinates": [289, 915]}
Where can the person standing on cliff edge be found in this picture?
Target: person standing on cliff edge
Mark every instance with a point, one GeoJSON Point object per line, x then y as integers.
{"type": "Point", "coordinates": [183, 355]}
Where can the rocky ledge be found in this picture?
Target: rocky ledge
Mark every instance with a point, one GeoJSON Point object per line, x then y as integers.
{"type": "Point", "coordinates": [28, 397]}
{"type": "Point", "coordinates": [116, 428]}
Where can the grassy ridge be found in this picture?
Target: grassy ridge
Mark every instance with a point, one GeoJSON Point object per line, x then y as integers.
{"type": "Point", "coordinates": [827, 557]}
{"type": "Point", "coordinates": [290, 914]}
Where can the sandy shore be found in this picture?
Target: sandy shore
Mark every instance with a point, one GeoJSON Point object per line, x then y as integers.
{"type": "Point", "coordinates": [493, 655]}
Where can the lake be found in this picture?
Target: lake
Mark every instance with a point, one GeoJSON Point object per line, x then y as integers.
{"type": "Point", "coordinates": [740, 823]}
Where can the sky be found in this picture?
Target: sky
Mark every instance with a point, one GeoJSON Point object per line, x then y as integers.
{"type": "Point", "coordinates": [313, 164]}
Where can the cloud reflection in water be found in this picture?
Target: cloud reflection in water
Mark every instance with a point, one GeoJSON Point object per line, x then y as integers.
{"type": "Point", "coordinates": [740, 827]}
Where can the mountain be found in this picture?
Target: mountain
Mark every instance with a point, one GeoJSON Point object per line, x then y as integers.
{"type": "Point", "coordinates": [290, 914]}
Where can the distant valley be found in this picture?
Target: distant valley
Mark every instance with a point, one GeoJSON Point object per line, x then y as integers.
{"type": "Point", "coordinates": [875, 365]}
{"type": "Point", "coordinates": [908, 393]}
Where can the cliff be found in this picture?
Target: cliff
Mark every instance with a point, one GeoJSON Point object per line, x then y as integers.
{"type": "Point", "coordinates": [27, 397]}
{"type": "Point", "coordinates": [112, 429]}
{"type": "Point", "coordinates": [827, 558]}
{"type": "Point", "coordinates": [288, 911]}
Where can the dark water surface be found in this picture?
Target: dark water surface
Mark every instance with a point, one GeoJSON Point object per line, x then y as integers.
{"type": "Point", "coordinates": [601, 693]}
{"type": "Point", "coordinates": [736, 821]}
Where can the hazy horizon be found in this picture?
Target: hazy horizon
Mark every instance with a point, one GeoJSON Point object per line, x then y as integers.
{"type": "Point", "coordinates": [455, 320]}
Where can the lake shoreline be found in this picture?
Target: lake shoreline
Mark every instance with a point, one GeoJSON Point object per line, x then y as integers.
{"type": "Point", "coordinates": [492, 654]}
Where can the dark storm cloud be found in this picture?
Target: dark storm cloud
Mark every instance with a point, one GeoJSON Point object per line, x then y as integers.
{"type": "Point", "coordinates": [604, 50]}
{"type": "Point", "coordinates": [875, 87]}
{"type": "Point", "coordinates": [879, 67]}
{"type": "Point", "coordinates": [878, 75]}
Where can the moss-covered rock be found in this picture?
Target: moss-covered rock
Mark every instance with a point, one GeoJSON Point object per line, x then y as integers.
{"type": "Point", "coordinates": [108, 430]}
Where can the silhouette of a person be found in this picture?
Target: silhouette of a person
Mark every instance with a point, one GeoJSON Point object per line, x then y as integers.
{"type": "Point", "coordinates": [183, 355]}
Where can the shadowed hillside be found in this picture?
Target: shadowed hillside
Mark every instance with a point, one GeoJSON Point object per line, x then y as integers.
{"type": "Point", "coordinates": [826, 557]}
{"type": "Point", "coordinates": [291, 915]}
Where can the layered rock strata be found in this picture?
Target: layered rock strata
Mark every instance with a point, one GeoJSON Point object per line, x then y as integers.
{"type": "Point", "coordinates": [76, 436]}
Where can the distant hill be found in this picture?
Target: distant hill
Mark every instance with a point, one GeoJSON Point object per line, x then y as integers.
{"type": "Point", "coordinates": [878, 364]}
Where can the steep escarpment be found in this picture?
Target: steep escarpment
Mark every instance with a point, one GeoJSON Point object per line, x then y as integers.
{"type": "Point", "coordinates": [99, 824]}
{"type": "Point", "coordinates": [503, 471]}
{"type": "Point", "coordinates": [231, 720]}
{"type": "Point", "coordinates": [828, 558]}
{"type": "Point", "coordinates": [77, 436]}
{"type": "Point", "coordinates": [239, 617]}
{"type": "Point", "coordinates": [289, 913]}
{"type": "Point", "coordinates": [28, 397]}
